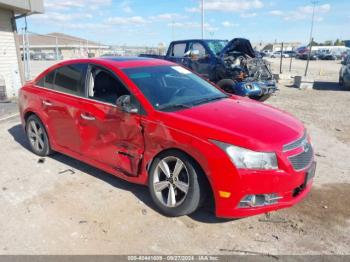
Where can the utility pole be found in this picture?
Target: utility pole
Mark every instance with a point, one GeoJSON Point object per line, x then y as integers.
{"type": "Point", "coordinates": [202, 16]}
{"type": "Point", "coordinates": [24, 53]}
{"type": "Point", "coordinates": [56, 47]}
{"type": "Point", "coordinates": [173, 30]}
{"type": "Point", "coordinates": [26, 50]}
{"type": "Point", "coordinates": [314, 3]}
{"type": "Point", "coordinates": [281, 58]}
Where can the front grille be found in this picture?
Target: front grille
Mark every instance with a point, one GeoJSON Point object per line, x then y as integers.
{"type": "Point", "coordinates": [303, 159]}
{"type": "Point", "coordinates": [295, 144]}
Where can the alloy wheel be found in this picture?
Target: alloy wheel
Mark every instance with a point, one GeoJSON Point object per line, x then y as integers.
{"type": "Point", "coordinates": [36, 136]}
{"type": "Point", "coordinates": [171, 181]}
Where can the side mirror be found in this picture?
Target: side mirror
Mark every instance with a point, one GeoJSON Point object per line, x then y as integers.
{"type": "Point", "coordinates": [124, 103]}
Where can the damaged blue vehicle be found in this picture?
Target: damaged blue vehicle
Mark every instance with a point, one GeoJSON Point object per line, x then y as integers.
{"type": "Point", "coordinates": [231, 65]}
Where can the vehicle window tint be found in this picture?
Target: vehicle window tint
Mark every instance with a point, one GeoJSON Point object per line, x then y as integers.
{"type": "Point", "coordinates": [105, 86]}
{"type": "Point", "coordinates": [166, 86]}
{"type": "Point", "coordinates": [70, 79]}
{"type": "Point", "coordinates": [41, 82]}
{"type": "Point", "coordinates": [178, 50]}
{"type": "Point", "coordinates": [200, 48]}
{"type": "Point", "coordinates": [49, 78]}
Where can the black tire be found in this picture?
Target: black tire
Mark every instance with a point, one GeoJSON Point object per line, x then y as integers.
{"type": "Point", "coordinates": [43, 148]}
{"type": "Point", "coordinates": [341, 82]}
{"type": "Point", "coordinates": [227, 85]}
{"type": "Point", "coordinates": [261, 98]}
{"type": "Point", "coordinates": [197, 186]}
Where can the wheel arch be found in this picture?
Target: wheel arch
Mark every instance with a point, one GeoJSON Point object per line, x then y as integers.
{"type": "Point", "coordinates": [29, 113]}
{"type": "Point", "coordinates": [203, 173]}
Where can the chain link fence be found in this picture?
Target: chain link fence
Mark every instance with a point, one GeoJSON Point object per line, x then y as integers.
{"type": "Point", "coordinates": [39, 51]}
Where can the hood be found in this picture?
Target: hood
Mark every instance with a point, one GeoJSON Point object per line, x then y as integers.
{"type": "Point", "coordinates": [240, 121]}
{"type": "Point", "coordinates": [241, 45]}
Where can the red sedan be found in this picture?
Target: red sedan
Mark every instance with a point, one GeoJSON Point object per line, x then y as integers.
{"type": "Point", "coordinates": [153, 122]}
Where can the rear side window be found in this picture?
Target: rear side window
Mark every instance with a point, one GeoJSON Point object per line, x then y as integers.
{"type": "Point", "coordinates": [49, 78]}
{"type": "Point", "coordinates": [71, 79]}
{"type": "Point", "coordinates": [47, 81]}
{"type": "Point", "coordinates": [178, 50]}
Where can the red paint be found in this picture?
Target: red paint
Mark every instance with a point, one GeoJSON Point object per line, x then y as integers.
{"type": "Point", "coordinates": [124, 144]}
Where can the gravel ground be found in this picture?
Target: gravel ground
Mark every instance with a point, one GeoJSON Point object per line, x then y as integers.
{"type": "Point", "coordinates": [61, 206]}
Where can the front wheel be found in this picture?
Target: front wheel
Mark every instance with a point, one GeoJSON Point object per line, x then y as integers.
{"type": "Point", "coordinates": [227, 85]}
{"type": "Point", "coordinates": [262, 98]}
{"type": "Point", "coordinates": [176, 184]}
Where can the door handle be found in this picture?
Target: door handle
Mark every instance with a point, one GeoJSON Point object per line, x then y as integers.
{"type": "Point", "coordinates": [87, 117]}
{"type": "Point", "coordinates": [47, 103]}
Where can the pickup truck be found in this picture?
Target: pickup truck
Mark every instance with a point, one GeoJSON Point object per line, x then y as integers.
{"type": "Point", "coordinates": [231, 65]}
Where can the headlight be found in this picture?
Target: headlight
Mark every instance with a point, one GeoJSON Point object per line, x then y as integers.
{"type": "Point", "coordinates": [245, 158]}
{"type": "Point", "coordinates": [251, 86]}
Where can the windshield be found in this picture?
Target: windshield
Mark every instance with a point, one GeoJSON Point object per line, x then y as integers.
{"type": "Point", "coordinates": [216, 45]}
{"type": "Point", "coordinates": [170, 88]}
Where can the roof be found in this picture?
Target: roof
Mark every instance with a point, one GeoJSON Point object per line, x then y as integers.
{"type": "Point", "coordinates": [198, 40]}
{"type": "Point", "coordinates": [120, 62]}
{"type": "Point", "coordinates": [63, 40]}
{"type": "Point", "coordinates": [129, 62]}
{"type": "Point", "coordinates": [23, 6]}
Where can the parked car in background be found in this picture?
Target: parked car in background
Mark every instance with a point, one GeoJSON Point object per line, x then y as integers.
{"type": "Point", "coordinates": [278, 54]}
{"type": "Point", "coordinates": [50, 56]}
{"type": "Point", "coordinates": [233, 65]}
{"type": "Point", "coordinates": [38, 56]}
{"type": "Point", "coordinates": [110, 55]}
{"type": "Point", "coordinates": [155, 123]}
{"type": "Point", "coordinates": [329, 55]}
{"type": "Point", "coordinates": [290, 53]}
{"type": "Point", "coordinates": [267, 53]}
{"type": "Point", "coordinates": [344, 75]}
{"type": "Point", "coordinates": [305, 55]}
{"type": "Point", "coordinates": [344, 55]}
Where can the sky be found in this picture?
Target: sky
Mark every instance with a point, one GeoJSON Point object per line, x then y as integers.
{"type": "Point", "coordinates": [150, 22]}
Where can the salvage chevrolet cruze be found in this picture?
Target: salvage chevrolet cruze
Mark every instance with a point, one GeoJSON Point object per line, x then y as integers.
{"type": "Point", "coordinates": [153, 122]}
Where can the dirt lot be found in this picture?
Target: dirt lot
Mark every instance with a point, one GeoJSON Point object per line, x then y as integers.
{"type": "Point", "coordinates": [62, 206]}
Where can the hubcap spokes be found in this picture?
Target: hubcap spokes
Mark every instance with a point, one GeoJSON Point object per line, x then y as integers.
{"type": "Point", "coordinates": [36, 136]}
{"type": "Point", "coordinates": [171, 181]}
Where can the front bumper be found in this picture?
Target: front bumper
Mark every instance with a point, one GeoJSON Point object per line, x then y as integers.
{"type": "Point", "coordinates": [255, 88]}
{"type": "Point", "coordinates": [292, 187]}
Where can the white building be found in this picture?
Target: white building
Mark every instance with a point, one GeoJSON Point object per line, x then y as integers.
{"type": "Point", "coordinates": [287, 46]}
{"type": "Point", "coordinates": [332, 49]}
{"type": "Point", "coordinates": [11, 75]}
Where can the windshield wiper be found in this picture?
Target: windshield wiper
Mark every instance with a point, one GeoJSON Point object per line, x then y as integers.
{"type": "Point", "coordinates": [173, 106]}
{"type": "Point", "coordinates": [208, 99]}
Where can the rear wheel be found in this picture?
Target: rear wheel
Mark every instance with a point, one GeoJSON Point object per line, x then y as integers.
{"type": "Point", "coordinates": [176, 184]}
{"type": "Point", "coordinates": [37, 136]}
{"type": "Point", "coordinates": [227, 85]}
